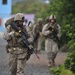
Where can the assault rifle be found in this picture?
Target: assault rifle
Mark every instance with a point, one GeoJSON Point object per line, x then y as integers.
{"type": "Point", "coordinates": [54, 32]}
{"type": "Point", "coordinates": [24, 39]}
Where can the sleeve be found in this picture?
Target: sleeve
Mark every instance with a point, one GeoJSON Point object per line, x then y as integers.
{"type": "Point", "coordinates": [30, 39]}
{"type": "Point", "coordinates": [33, 31]}
{"type": "Point", "coordinates": [45, 31]}
{"type": "Point", "coordinates": [59, 31]}
{"type": "Point", "coordinates": [8, 34]}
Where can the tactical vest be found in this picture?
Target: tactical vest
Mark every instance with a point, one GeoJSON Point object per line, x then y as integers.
{"type": "Point", "coordinates": [52, 35]}
{"type": "Point", "coordinates": [38, 28]}
{"type": "Point", "coordinates": [14, 42]}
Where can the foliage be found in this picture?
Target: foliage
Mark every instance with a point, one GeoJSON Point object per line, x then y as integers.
{"type": "Point", "coordinates": [70, 62]}
{"type": "Point", "coordinates": [28, 6]}
{"type": "Point", "coordinates": [65, 12]}
{"type": "Point", "coordinates": [55, 71]}
{"type": "Point", "coordinates": [61, 71]}
{"type": "Point", "coordinates": [65, 48]}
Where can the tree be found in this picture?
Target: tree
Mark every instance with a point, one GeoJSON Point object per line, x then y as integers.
{"type": "Point", "coordinates": [65, 12]}
{"type": "Point", "coordinates": [28, 6]}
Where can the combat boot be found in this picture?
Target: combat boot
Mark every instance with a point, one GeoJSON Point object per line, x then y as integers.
{"type": "Point", "coordinates": [50, 64]}
{"type": "Point", "coordinates": [53, 62]}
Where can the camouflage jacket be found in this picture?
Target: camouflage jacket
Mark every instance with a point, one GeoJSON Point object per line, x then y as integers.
{"type": "Point", "coordinates": [11, 36]}
{"type": "Point", "coordinates": [46, 32]}
{"type": "Point", "coordinates": [37, 29]}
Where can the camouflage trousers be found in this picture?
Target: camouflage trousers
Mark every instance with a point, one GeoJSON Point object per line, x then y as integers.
{"type": "Point", "coordinates": [17, 62]}
{"type": "Point", "coordinates": [51, 48]}
{"type": "Point", "coordinates": [37, 44]}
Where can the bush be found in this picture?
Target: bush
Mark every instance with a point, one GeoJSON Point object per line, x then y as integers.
{"type": "Point", "coordinates": [70, 62]}
{"type": "Point", "coordinates": [61, 71]}
{"type": "Point", "coordinates": [55, 71]}
{"type": "Point", "coordinates": [65, 48]}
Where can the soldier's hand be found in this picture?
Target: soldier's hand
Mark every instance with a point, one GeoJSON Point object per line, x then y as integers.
{"type": "Point", "coordinates": [30, 39]}
{"type": "Point", "coordinates": [11, 33]}
{"type": "Point", "coordinates": [41, 34]}
{"type": "Point", "coordinates": [17, 34]}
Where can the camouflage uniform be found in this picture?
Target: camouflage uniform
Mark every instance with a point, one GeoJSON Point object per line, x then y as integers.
{"type": "Point", "coordinates": [51, 45]}
{"type": "Point", "coordinates": [47, 20]}
{"type": "Point", "coordinates": [17, 51]}
{"type": "Point", "coordinates": [37, 32]}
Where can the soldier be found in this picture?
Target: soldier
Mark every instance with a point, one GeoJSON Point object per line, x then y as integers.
{"type": "Point", "coordinates": [16, 49]}
{"type": "Point", "coordinates": [37, 33]}
{"type": "Point", "coordinates": [52, 32]}
{"type": "Point", "coordinates": [47, 20]}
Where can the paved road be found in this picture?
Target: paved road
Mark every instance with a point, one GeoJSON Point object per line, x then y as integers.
{"type": "Point", "coordinates": [34, 66]}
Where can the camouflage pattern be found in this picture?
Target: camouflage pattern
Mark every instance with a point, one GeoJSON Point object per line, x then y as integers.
{"type": "Point", "coordinates": [37, 43]}
{"type": "Point", "coordinates": [51, 46]}
{"type": "Point", "coordinates": [17, 60]}
{"type": "Point", "coordinates": [19, 16]}
{"type": "Point", "coordinates": [52, 17]}
{"type": "Point", "coordinates": [47, 20]}
{"type": "Point", "coordinates": [9, 21]}
{"type": "Point", "coordinates": [16, 50]}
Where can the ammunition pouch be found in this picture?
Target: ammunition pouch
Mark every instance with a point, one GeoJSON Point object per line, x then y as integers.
{"type": "Point", "coordinates": [54, 33]}
{"type": "Point", "coordinates": [53, 37]}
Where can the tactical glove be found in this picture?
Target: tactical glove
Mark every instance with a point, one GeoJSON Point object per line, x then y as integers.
{"type": "Point", "coordinates": [17, 34]}
{"type": "Point", "coordinates": [41, 34]}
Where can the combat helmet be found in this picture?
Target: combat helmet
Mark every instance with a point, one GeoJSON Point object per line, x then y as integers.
{"type": "Point", "coordinates": [19, 16]}
{"type": "Point", "coordinates": [52, 17]}
{"type": "Point", "coordinates": [39, 20]}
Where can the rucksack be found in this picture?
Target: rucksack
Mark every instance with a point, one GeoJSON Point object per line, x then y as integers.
{"type": "Point", "coordinates": [9, 21]}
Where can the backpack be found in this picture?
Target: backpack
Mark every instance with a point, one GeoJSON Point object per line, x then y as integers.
{"type": "Point", "coordinates": [9, 21]}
